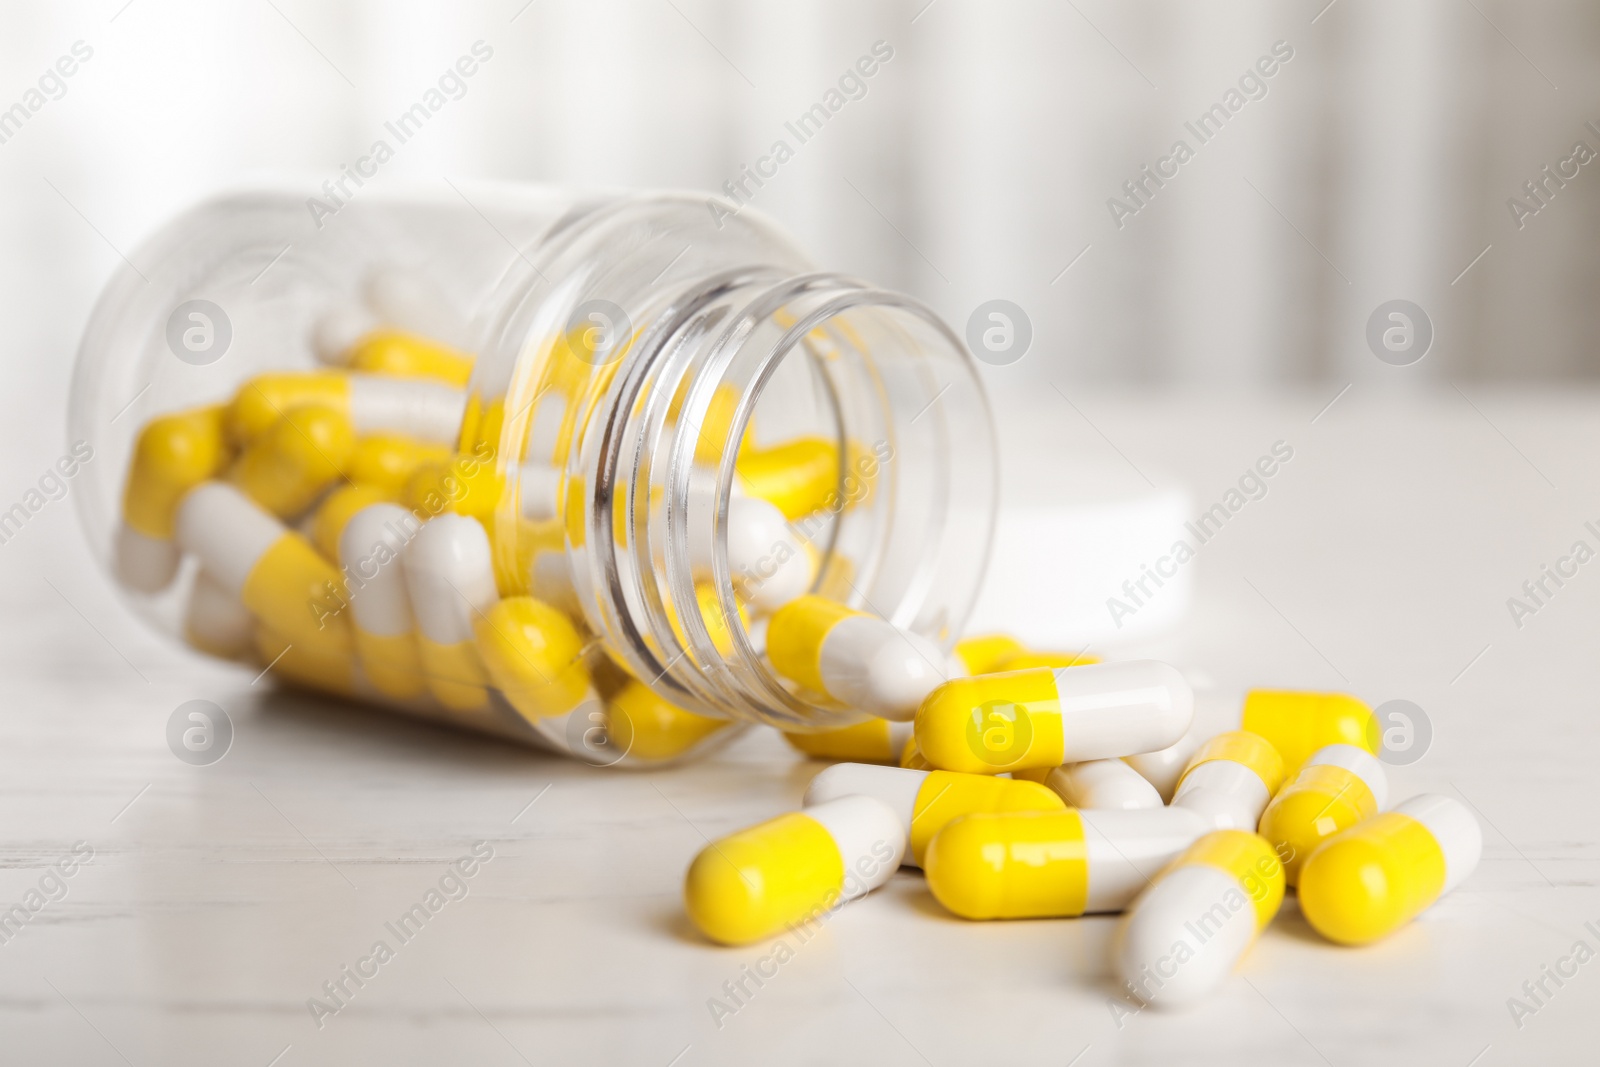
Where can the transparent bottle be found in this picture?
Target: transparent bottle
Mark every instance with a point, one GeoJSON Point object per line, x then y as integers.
{"type": "Point", "coordinates": [562, 398]}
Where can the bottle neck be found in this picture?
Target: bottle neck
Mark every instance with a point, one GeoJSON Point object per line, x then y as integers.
{"type": "Point", "coordinates": [856, 410]}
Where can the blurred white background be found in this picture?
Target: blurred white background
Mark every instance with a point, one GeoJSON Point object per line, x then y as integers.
{"type": "Point", "coordinates": [979, 163]}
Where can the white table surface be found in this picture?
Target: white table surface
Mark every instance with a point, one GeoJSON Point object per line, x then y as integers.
{"type": "Point", "coordinates": [220, 898]}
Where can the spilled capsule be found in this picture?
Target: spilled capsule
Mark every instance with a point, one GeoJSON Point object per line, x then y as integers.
{"type": "Point", "coordinates": [926, 801]}
{"type": "Point", "coordinates": [1340, 786]}
{"type": "Point", "coordinates": [1044, 718]}
{"type": "Point", "coordinates": [1230, 779]}
{"type": "Point", "coordinates": [793, 869]}
{"type": "Point", "coordinates": [1099, 784]}
{"type": "Point", "coordinates": [1364, 883]}
{"type": "Point", "coordinates": [1036, 865]}
{"type": "Point", "coordinates": [1187, 931]}
{"type": "Point", "coordinates": [450, 578]}
{"type": "Point", "coordinates": [859, 660]}
{"type": "Point", "coordinates": [872, 741]}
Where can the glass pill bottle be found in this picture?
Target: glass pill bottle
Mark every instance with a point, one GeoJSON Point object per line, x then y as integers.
{"type": "Point", "coordinates": [526, 461]}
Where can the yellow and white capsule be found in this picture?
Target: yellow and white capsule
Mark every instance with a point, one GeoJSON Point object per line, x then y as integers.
{"type": "Point", "coordinates": [1099, 784]}
{"type": "Point", "coordinates": [450, 576]}
{"type": "Point", "coordinates": [873, 741]}
{"type": "Point", "coordinates": [927, 801]}
{"type": "Point", "coordinates": [289, 464]}
{"type": "Point", "coordinates": [534, 656]}
{"type": "Point", "coordinates": [1037, 865]}
{"type": "Point", "coordinates": [426, 411]}
{"type": "Point", "coordinates": [273, 570]}
{"type": "Point", "coordinates": [1044, 718]}
{"type": "Point", "coordinates": [380, 602]}
{"type": "Point", "coordinates": [174, 453]}
{"type": "Point", "coordinates": [216, 621]}
{"type": "Point", "coordinates": [1230, 779]}
{"type": "Point", "coordinates": [797, 476]}
{"type": "Point", "coordinates": [1297, 724]}
{"type": "Point", "coordinates": [1364, 883]}
{"type": "Point", "coordinates": [793, 869]}
{"type": "Point", "coordinates": [1340, 786]}
{"type": "Point", "coordinates": [335, 511]}
{"type": "Point", "coordinates": [1188, 930]}
{"type": "Point", "coordinates": [857, 659]}
{"type": "Point", "coordinates": [769, 565]}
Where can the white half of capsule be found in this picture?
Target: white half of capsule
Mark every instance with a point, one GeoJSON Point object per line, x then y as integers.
{"type": "Point", "coordinates": [370, 550]}
{"type": "Point", "coordinates": [1106, 784]}
{"type": "Point", "coordinates": [411, 301]}
{"type": "Point", "coordinates": [1162, 768]}
{"type": "Point", "coordinates": [449, 573]}
{"type": "Point", "coordinates": [871, 840]}
{"type": "Point", "coordinates": [216, 620]}
{"type": "Point", "coordinates": [872, 665]}
{"type": "Point", "coordinates": [336, 332]}
{"type": "Point", "coordinates": [1454, 827]}
{"type": "Point", "coordinates": [895, 786]}
{"type": "Point", "coordinates": [1127, 849]}
{"type": "Point", "coordinates": [227, 531]}
{"type": "Point", "coordinates": [143, 564]}
{"type": "Point", "coordinates": [1112, 709]}
{"type": "Point", "coordinates": [1228, 795]}
{"type": "Point", "coordinates": [412, 407]}
{"type": "Point", "coordinates": [1358, 761]}
{"type": "Point", "coordinates": [1184, 935]}
{"type": "Point", "coordinates": [766, 560]}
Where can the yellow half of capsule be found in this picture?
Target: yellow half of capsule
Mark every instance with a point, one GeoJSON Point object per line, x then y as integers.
{"type": "Point", "coordinates": [1366, 882]}
{"type": "Point", "coordinates": [865, 742]}
{"type": "Point", "coordinates": [1298, 724]}
{"type": "Point", "coordinates": [649, 728]}
{"type": "Point", "coordinates": [754, 883]}
{"type": "Point", "coordinates": [911, 756]}
{"type": "Point", "coordinates": [1025, 660]}
{"type": "Point", "coordinates": [311, 664]}
{"type": "Point", "coordinates": [533, 654]}
{"type": "Point", "coordinates": [465, 485]}
{"type": "Point", "coordinates": [1021, 865]}
{"type": "Point", "coordinates": [287, 466]}
{"type": "Point", "coordinates": [296, 592]}
{"type": "Point", "coordinates": [174, 453]}
{"type": "Point", "coordinates": [795, 635]}
{"type": "Point", "coordinates": [796, 476]}
{"type": "Point", "coordinates": [985, 653]}
{"type": "Point", "coordinates": [1314, 805]}
{"type": "Point", "coordinates": [390, 663]}
{"type": "Point", "coordinates": [409, 356]}
{"type": "Point", "coordinates": [386, 462]}
{"type": "Point", "coordinates": [947, 795]}
{"type": "Point", "coordinates": [454, 674]}
{"type": "Point", "coordinates": [1241, 746]}
{"type": "Point", "coordinates": [993, 723]}
{"type": "Point", "coordinates": [264, 399]}
{"type": "Point", "coordinates": [1249, 859]}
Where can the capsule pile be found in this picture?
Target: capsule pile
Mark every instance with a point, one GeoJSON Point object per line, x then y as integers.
{"type": "Point", "coordinates": [1054, 787]}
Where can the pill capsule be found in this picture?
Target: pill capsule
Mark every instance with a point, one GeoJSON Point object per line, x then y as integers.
{"type": "Point", "coordinates": [1044, 718]}
{"type": "Point", "coordinates": [796, 476]}
{"type": "Point", "coordinates": [927, 801]}
{"type": "Point", "coordinates": [174, 453]}
{"type": "Point", "coordinates": [648, 728]}
{"type": "Point", "coordinates": [386, 462]}
{"type": "Point", "coordinates": [1230, 779]}
{"type": "Point", "coordinates": [273, 570]}
{"type": "Point", "coordinates": [216, 621]}
{"type": "Point", "coordinates": [1187, 931]}
{"type": "Point", "coordinates": [1036, 865]}
{"type": "Point", "coordinates": [288, 465]}
{"type": "Point", "coordinates": [336, 510]}
{"type": "Point", "coordinates": [450, 578]}
{"type": "Point", "coordinates": [1097, 784]}
{"type": "Point", "coordinates": [873, 741]}
{"type": "Point", "coordinates": [1338, 787]}
{"type": "Point", "coordinates": [857, 659]}
{"type": "Point", "coordinates": [534, 655]}
{"type": "Point", "coordinates": [768, 564]}
{"type": "Point", "coordinates": [984, 654]}
{"type": "Point", "coordinates": [1364, 883]}
{"type": "Point", "coordinates": [408, 355]}
{"type": "Point", "coordinates": [369, 551]}
{"type": "Point", "coordinates": [792, 870]}
{"type": "Point", "coordinates": [374, 403]}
